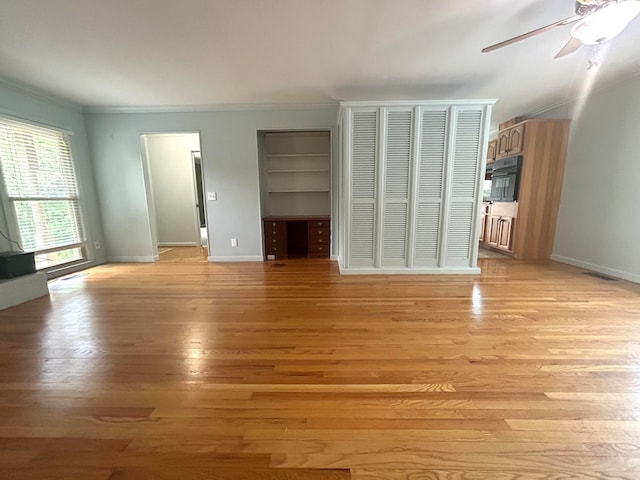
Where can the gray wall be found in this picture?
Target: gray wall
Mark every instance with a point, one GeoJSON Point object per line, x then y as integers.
{"type": "Point", "coordinates": [598, 226]}
{"type": "Point", "coordinates": [173, 185]}
{"type": "Point", "coordinates": [230, 167]}
{"type": "Point", "coordinates": [21, 103]}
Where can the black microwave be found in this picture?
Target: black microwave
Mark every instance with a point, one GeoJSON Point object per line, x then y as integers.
{"type": "Point", "coordinates": [505, 179]}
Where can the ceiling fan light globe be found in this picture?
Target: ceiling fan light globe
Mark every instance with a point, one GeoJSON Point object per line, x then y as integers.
{"type": "Point", "coordinates": [606, 23]}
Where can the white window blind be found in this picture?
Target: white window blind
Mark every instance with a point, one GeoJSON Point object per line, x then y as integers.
{"type": "Point", "coordinates": [40, 186]}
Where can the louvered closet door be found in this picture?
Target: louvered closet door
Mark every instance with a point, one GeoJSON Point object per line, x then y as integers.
{"type": "Point", "coordinates": [363, 152]}
{"type": "Point", "coordinates": [466, 158]}
{"type": "Point", "coordinates": [431, 163]}
{"type": "Point", "coordinates": [397, 165]}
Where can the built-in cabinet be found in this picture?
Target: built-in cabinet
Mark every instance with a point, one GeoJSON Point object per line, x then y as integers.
{"type": "Point", "coordinates": [499, 223]}
{"type": "Point", "coordinates": [411, 186]}
{"type": "Point", "coordinates": [510, 141]}
{"type": "Point", "coordinates": [297, 236]}
{"type": "Point", "coordinates": [492, 151]}
{"type": "Point", "coordinates": [296, 193]}
{"type": "Point", "coordinates": [526, 228]}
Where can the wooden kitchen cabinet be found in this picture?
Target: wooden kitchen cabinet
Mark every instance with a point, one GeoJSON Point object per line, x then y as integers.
{"type": "Point", "coordinates": [493, 230]}
{"type": "Point", "coordinates": [492, 150]}
{"type": "Point", "coordinates": [502, 144]}
{"type": "Point", "coordinates": [505, 233]}
{"type": "Point", "coordinates": [510, 142]}
{"type": "Point", "coordinates": [501, 225]}
{"type": "Point", "coordinates": [486, 208]}
{"type": "Point", "coordinates": [526, 228]}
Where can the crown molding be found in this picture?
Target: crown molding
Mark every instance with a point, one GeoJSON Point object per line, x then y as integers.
{"type": "Point", "coordinates": [210, 108]}
{"type": "Point", "coordinates": [40, 94]}
{"type": "Point", "coordinates": [413, 103]}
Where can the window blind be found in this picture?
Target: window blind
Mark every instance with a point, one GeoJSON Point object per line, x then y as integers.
{"type": "Point", "coordinates": [41, 188]}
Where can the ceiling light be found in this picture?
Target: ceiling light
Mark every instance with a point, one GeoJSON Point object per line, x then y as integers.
{"type": "Point", "coordinates": [604, 24]}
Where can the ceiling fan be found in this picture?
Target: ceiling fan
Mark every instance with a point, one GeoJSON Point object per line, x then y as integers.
{"type": "Point", "coordinates": [596, 21]}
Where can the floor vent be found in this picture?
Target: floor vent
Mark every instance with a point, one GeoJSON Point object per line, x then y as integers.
{"type": "Point", "coordinates": [601, 276]}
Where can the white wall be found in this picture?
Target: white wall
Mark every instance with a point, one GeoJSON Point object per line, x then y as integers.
{"type": "Point", "coordinates": [173, 185]}
{"type": "Point", "coordinates": [230, 168]}
{"type": "Point", "coordinates": [598, 222]}
{"type": "Point", "coordinates": [19, 103]}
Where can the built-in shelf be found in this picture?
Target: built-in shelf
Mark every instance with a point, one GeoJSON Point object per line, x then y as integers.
{"type": "Point", "coordinates": [307, 170]}
{"type": "Point", "coordinates": [295, 173]}
{"type": "Point", "coordinates": [299, 191]}
{"type": "Point", "coordinates": [290, 155]}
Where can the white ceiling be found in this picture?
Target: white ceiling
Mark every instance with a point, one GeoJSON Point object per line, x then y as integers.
{"type": "Point", "coordinates": [206, 52]}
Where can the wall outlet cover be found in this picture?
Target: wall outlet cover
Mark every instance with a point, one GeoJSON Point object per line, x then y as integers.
{"type": "Point", "coordinates": [211, 196]}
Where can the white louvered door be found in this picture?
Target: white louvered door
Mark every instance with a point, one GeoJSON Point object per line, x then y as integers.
{"type": "Point", "coordinates": [362, 185]}
{"type": "Point", "coordinates": [397, 167]}
{"type": "Point", "coordinates": [432, 151]}
{"type": "Point", "coordinates": [412, 185]}
{"type": "Point", "coordinates": [461, 218]}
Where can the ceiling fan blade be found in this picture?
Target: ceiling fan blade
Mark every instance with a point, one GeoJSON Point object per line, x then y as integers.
{"type": "Point", "coordinates": [537, 31]}
{"type": "Point", "coordinates": [571, 46]}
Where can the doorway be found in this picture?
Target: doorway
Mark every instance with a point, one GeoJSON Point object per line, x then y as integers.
{"type": "Point", "coordinates": [175, 196]}
{"type": "Point", "coordinates": [200, 203]}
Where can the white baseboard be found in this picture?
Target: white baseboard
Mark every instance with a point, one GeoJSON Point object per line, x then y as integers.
{"type": "Point", "coordinates": [251, 258]}
{"type": "Point", "coordinates": [612, 272]}
{"type": "Point", "coordinates": [178, 244]}
{"type": "Point", "coordinates": [409, 271]}
{"type": "Point", "coordinates": [15, 291]}
{"type": "Point", "coordinates": [141, 259]}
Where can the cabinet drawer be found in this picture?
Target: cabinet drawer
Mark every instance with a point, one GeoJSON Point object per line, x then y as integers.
{"type": "Point", "coordinates": [319, 241]}
{"type": "Point", "coordinates": [318, 250]}
{"type": "Point", "coordinates": [319, 224]}
{"type": "Point", "coordinates": [274, 227]}
{"type": "Point", "coordinates": [315, 232]}
{"type": "Point", "coordinates": [268, 241]}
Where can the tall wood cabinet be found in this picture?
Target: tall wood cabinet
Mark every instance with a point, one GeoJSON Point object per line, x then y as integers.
{"type": "Point", "coordinates": [411, 185]}
{"type": "Point", "coordinates": [526, 228]}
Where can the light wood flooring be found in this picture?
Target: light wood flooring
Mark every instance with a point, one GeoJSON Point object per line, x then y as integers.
{"type": "Point", "coordinates": [183, 254]}
{"type": "Point", "coordinates": [287, 370]}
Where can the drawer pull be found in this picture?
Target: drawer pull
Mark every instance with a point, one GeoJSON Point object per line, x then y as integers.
{"type": "Point", "coordinates": [319, 232]}
{"type": "Point", "coordinates": [274, 232]}
{"type": "Point", "coordinates": [319, 240]}
{"type": "Point", "coordinates": [274, 224]}
{"type": "Point", "coordinates": [274, 240]}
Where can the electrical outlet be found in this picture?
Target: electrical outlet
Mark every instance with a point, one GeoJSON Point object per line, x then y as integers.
{"type": "Point", "coordinates": [211, 196]}
{"type": "Point", "coordinates": [96, 245]}
{"type": "Point", "coordinates": [234, 242]}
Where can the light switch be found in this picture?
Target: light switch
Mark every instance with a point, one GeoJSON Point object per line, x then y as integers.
{"type": "Point", "coordinates": [212, 196]}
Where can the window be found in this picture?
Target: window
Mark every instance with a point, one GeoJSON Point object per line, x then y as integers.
{"type": "Point", "coordinates": [41, 192]}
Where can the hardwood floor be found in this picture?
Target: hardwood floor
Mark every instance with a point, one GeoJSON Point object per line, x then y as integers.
{"type": "Point", "coordinates": [287, 370]}
{"type": "Point", "coordinates": [183, 254]}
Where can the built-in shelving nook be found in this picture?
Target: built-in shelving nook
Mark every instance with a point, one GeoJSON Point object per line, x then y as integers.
{"type": "Point", "coordinates": [295, 189]}
{"type": "Point", "coordinates": [296, 177]}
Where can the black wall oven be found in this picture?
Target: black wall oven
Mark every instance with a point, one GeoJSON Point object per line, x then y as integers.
{"type": "Point", "coordinates": [505, 179]}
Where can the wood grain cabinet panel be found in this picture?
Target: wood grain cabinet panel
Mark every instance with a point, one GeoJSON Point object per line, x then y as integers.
{"type": "Point", "coordinates": [510, 142]}
{"type": "Point", "coordinates": [492, 150]}
{"type": "Point", "coordinates": [527, 228]}
{"type": "Point", "coordinates": [275, 239]}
